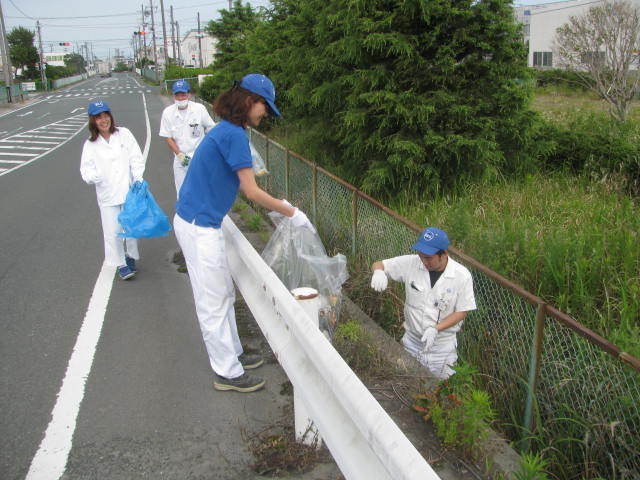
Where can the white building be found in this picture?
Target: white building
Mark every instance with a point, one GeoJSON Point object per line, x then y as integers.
{"type": "Point", "coordinates": [541, 22]}
{"type": "Point", "coordinates": [190, 50]}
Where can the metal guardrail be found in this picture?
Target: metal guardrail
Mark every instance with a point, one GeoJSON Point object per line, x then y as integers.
{"type": "Point", "coordinates": [363, 439]}
{"type": "Point", "coordinates": [540, 365]}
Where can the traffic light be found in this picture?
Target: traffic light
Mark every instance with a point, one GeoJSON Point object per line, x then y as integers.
{"type": "Point", "coordinates": [65, 44]}
{"type": "Point", "coordinates": [139, 33]}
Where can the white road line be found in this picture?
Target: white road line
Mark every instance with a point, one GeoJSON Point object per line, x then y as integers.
{"type": "Point", "coordinates": [37, 136]}
{"type": "Point", "coordinates": [50, 460]}
{"type": "Point", "coordinates": [24, 148]}
{"type": "Point", "coordinates": [25, 114]}
{"type": "Point", "coordinates": [19, 154]}
{"type": "Point", "coordinates": [12, 161]}
{"type": "Point", "coordinates": [44, 115]}
{"type": "Point", "coordinates": [25, 141]}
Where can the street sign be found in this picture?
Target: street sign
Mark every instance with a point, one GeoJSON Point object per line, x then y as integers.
{"type": "Point", "coordinates": [29, 86]}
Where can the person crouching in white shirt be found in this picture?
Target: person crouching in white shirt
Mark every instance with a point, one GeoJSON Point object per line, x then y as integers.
{"type": "Point", "coordinates": [439, 294]}
{"type": "Point", "coordinates": [183, 126]}
{"type": "Point", "coordinates": [112, 161]}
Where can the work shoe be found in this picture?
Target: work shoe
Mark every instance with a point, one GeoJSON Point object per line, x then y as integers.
{"type": "Point", "coordinates": [244, 383]}
{"type": "Point", "coordinates": [125, 272]}
{"type": "Point", "coordinates": [131, 263]}
{"type": "Point", "coordinates": [250, 361]}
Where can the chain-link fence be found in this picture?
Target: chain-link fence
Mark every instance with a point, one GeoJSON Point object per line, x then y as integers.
{"type": "Point", "coordinates": [557, 386]}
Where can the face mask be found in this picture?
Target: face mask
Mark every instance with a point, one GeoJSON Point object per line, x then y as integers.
{"type": "Point", "coordinates": [182, 103]}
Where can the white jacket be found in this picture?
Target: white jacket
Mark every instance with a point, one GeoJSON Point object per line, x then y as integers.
{"type": "Point", "coordinates": [425, 306]}
{"type": "Point", "coordinates": [112, 166]}
{"type": "Point", "coordinates": [187, 130]}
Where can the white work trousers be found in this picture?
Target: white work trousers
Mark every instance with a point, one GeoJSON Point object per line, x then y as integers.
{"type": "Point", "coordinates": [213, 291]}
{"type": "Point", "coordinates": [179, 172]}
{"type": "Point", "coordinates": [114, 246]}
{"type": "Point", "coordinates": [438, 359]}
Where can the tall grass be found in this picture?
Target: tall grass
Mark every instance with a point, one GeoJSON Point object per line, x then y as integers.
{"type": "Point", "coordinates": [572, 241]}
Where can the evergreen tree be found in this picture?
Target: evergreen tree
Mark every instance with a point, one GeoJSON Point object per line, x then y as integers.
{"type": "Point", "coordinates": [401, 94]}
{"type": "Point", "coordinates": [231, 31]}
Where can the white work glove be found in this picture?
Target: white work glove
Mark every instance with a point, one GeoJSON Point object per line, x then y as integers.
{"type": "Point", "coordinates": [299, 219]}
{"type": "Point", "coordinates": [379, 280]}
{"type": "Point", "coordinates": [183, 158]}
{"type": "Point", "coordinates": [428, 337]}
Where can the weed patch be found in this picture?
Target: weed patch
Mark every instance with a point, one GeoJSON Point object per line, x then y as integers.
{"type": "Point", "coordinates": [459, 412]}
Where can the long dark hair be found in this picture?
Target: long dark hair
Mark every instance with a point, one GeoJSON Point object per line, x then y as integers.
{"type": "Point", "coordinates": [234, 105]}
{"type": "Point", "coordinates": [93, 128]}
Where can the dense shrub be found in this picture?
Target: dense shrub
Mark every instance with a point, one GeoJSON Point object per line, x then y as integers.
{"type": "Point", "coordinates": [558, 77]}
{"type": "Point", "coordinates": [595, 145]}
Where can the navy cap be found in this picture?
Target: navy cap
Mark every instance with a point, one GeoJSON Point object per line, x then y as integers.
{"type": "Point", "coordinates": [98, 107]}
{"type": "Point", "coordinates": [261, 85]}
{"type": "Point", "coordinates": [431, 241]}
{"type": "Point", "coordinates": [181, 86]}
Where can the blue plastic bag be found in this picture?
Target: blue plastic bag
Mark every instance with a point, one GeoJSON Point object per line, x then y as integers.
{"type": "Point", "coordinates": [141, 216]}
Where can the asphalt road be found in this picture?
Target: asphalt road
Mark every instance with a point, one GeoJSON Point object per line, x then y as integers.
{"type": "Point", "coordinates": [148, 409]}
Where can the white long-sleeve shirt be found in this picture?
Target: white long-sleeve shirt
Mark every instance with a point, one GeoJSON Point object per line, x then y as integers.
{"type": "Point", "coordinates": [112, 166]}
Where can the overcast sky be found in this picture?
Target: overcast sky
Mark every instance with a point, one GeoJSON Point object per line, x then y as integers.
{"type": "Point", "coordinates": [108, 25]}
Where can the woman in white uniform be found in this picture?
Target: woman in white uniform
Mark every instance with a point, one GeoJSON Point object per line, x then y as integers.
{"type": "Point", "coordinates": [112, 161]}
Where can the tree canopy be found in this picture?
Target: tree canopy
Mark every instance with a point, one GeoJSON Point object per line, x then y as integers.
{"type": "Point", "coordinates": [23, 53]}
{"type": "Point", "coordinates": [401, 94]}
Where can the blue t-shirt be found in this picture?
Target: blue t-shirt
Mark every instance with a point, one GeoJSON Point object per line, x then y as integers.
{"type": "Point", "coordinates": [211, 184]}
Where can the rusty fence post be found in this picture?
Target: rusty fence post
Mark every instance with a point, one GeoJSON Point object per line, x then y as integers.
{"type": "Point", "coordinates": [314, 193]}
{"type": "Point", "coordinates": [534, 372]}
{"type": "Point", "coordinates": [354, 223]}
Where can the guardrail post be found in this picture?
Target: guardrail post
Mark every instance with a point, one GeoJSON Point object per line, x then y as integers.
{"type": "Point", "coordinates": [534, 371]}
{"type": "Point", "coordinates": [354, 223]}
{"type": "Point", "coordinates": [306, 431]}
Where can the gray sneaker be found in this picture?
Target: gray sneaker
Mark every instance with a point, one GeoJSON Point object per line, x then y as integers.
{"type": "Point", "coordinates": [249, 360]}
{"type": "Point", "coordinates": [244, 383]}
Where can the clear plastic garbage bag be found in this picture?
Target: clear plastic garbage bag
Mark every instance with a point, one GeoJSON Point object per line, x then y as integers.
{"type": "Point", "coordinates": [299, 259]}
{"type": "Point", "coordinates": [259, 167]}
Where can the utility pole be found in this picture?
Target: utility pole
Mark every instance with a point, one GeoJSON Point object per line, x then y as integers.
{"type": "Point", "coordinates": [164, 33]}
{"type": "Point", "coordinates": [43, 75]}
{"type": "Point", "coordinates": [173, 37]}
{"type": "Point", "coordinates": [178, 37]}
{"type": "Point", "coordinates": [6, 56]}
{"type": "Point", "coordinates": [144, 38]}
{"type": "Point", "coordinates": [199, 42]}
{"type": "Point", "coordinates": [230, 5]}
{"type": "Point", "coordinates": [153, 34]}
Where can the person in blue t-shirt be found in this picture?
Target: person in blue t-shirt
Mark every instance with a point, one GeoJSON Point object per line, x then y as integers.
{"type": "Point", "coordinates": [220, 167]}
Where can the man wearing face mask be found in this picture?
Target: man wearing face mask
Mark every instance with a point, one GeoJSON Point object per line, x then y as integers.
{"type": "Point", "coordinates": [183, 127]}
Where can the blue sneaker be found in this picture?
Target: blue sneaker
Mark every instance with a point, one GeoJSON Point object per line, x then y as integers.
{"type": "Point", "coordinates": [131, 263]}
{"type": "Point", "coordinates": [125, 272]}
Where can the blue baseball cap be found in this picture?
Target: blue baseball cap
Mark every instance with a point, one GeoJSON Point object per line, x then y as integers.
{"type": "Point", "coordinates": [181, 86]}
{"type": "Point", "coordinates": [98, 107]}
{"type": "Point", "coordinates": [261, 85]}
{"type": "Point", "coordinates": [431, 241]}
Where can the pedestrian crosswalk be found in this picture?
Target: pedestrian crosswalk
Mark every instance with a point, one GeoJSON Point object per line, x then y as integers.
{"type": "Point", "coordinates": [98, 92]}
{"type": "Point", "coordinates": [24, 147]}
